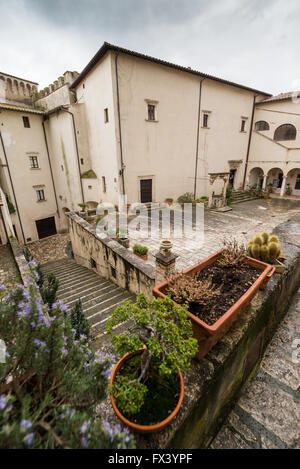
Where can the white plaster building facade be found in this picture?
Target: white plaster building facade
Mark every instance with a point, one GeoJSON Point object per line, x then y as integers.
{"type": "Point", "coordinates": [135, 125]}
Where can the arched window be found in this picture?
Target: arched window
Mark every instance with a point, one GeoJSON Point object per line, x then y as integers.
{"type": "Point", "coordinates": [262, 125]}
{"type": "Point", "coordinates": [285, 132]}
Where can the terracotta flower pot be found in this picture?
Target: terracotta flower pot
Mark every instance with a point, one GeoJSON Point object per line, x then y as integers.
{"type": "Point", "coordinates": [134, 426]}
{"type": "Point", "coordinates": [206, 335]}
{"type": "Point", "coordinates": [142, 256]}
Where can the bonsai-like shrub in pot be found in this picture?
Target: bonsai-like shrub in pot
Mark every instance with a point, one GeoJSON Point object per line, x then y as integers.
{"type": "Point", "coordinates": [141, 251]}
{"type": "Point", "coordinates": [83, 212]}
{"type": "Point", "coordinates": [216, 291]}
{"type": "Point", "coordinates": [146, 385]}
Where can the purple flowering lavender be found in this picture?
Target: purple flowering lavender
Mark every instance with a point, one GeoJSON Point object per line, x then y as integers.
{"type": "Point", "coordinates": [2, 402]}
{"type": "Point", "coordinates": [28, 438]}
{"type": "Point", "coordinates": [25, 425]}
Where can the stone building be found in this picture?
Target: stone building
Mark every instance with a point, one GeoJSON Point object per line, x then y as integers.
{"type": "Point", "coordinates": [136, 125]}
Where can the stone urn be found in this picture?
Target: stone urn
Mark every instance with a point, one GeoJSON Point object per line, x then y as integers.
{"type": "Point", "coordinates": [166, 247]}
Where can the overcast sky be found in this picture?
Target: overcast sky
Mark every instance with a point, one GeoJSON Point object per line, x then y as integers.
{"type": "Point", "coordinates": [252, 42]}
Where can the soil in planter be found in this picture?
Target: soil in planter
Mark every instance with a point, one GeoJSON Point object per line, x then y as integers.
{"type": "Point", "coordinates": [234, 282]}
{"type": "Point", "coordinates": [161, 398]}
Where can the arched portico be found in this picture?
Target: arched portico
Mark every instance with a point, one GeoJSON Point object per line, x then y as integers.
{"type": "Point", "coordinates": [256, 178]}
{"type": "Point", "coordinates": [293, 182]}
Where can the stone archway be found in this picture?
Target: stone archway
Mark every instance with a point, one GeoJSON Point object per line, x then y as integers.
{"type": "Point", "coordinates": [276, 181]}
{"type": "Point", "coordinates": [256, 178]}
{"type": "Point", "coordinates": [293, 182]}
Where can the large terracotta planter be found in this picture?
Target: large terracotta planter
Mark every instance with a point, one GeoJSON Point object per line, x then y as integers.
{"type": "Point", "coordinates": [206, 335]}
{"type": "Point", "coordinates": [134, 426]}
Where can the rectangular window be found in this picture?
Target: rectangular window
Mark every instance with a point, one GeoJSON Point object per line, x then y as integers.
{"type": "Point", "coordinates": [106, 115]}
{"type": "Point", "coordinates": [33, 162]}
{"type": "Point", "coordinates": [243, 125]}
{"type": "Point", "coordinates": [205, 120]}
{"type": "Point", "coordinates": [151, 112]}
{"type": "Point", "coordinates": [26, 122]}
{"type": "Point", "coordinates": [297, 186]}
{"type": "Point", "coordinates": [40, 195]}
{"type": "Point", "coordinates": [103, 184]}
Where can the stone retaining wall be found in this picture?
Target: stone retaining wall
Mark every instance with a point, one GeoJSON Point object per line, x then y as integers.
{"type": "Point", "coordinates": [49, 249]}
{"type": "Point", "coordinates": [21, 262]}
{"type": "Point", "coordinates": [109, 258]}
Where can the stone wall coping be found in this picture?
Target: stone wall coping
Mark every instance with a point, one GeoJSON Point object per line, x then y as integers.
{"type": "Point", "coordinates": [20, 260]}
{"type": "Point", "coordinates": [128, 256]}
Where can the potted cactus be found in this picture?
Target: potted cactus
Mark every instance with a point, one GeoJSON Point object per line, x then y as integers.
{"type": "Point", "coordinates": [146, 386]}
{"type": "Point", "coordinates": [266, 247]}
{"type": "Point", "coordinates": [140, 251]}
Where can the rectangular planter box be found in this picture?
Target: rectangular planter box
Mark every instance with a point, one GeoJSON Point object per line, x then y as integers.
{"type": "Point", "coordinates": [142, 256]}
{"type": "Point", "coordinates": [206, 335]}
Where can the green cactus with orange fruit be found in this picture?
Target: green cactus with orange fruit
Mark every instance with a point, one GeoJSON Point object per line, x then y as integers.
{"type": "Point", "coordinates": [265, 247]}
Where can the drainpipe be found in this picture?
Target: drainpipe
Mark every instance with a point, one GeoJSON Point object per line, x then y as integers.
{"type": "Point", "coordinates": [198, 131]}
{"type": "Point", "coordinates": [76, 145]}
{"type": "Point", "coordinates": [12, 187]}
{"type": "Point", "coordinates": [249, 142]}
{"type": "Point", "coordinates": [119, 119]}
{"type": "Point", "coordinates": [51, 172]}
{"type": "Point", "coordinates": [4, 225]}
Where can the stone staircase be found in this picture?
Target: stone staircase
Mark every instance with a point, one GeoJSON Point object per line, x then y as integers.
{"type": "Point", "coordinates": [99, 296]}
{"type": "Point", "coordinates": [239, 196]}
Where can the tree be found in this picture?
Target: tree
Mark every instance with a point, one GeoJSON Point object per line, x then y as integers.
{"type": "Point", "coordinates": [79, 321]}
{"type": "Point", "coordinates": [49, 290]}
{"type": "Point", "coordinates": [51, 383]}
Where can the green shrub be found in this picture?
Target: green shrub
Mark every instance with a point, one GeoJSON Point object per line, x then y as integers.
{"type": "Point", "coordinates": [54, 383]}
{"type": "Point", "coordinates": [140, 249]}
{"type": "Point", "coordinates": [82, 206]}
{"type": "Point", "coordinates": [229, 191]}
{"type": "Point", "coordinates": [186, 198]}
{"type": "Point", "coordinates": [166, 333]}
{"type": "Point", "coordinates": [49, 290]}
{"type": "Point", "coordinates": [79, 321]}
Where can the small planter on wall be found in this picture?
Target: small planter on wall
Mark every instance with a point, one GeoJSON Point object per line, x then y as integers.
{"type": "Point", "coordinates": [140, 251]}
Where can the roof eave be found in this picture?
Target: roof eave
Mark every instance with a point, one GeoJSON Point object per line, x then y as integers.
{"type": "Point", "coordinates": [109, 47]}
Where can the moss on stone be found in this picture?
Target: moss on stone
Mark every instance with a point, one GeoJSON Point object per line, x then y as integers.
{"type": "Point", "coordinates": [90, 174]}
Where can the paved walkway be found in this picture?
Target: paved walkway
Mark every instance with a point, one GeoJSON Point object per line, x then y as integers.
{"type": "Point", "coordinates": [9, 273]}
{"type": "Point", "coordinates": [267, 414]}
{"type": "Point", "coordinates": [243, 222]}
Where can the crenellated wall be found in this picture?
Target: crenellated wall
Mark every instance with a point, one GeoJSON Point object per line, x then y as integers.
{"type": "Point", "coordinates": [14, 89]}
{"type": "Point", "coordinates": [57, 93]}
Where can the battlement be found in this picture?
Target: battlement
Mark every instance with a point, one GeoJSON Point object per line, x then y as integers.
{"type": "Point", "coordinates": [67, 78]}
{"type": "Point", "coordinates": [16, 89]}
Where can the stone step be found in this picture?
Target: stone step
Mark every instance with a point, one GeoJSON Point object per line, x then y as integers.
{"type": "Point", "coordinates": [99, 295]}
{"type": "Point", "coordinates": [70, 268]}
{"type": "Point", "coordinates": [100, 320]}
{"type": "Point", "coordinates": [82, 289]}
{"type": "Point", "coordinates": [74, 279]}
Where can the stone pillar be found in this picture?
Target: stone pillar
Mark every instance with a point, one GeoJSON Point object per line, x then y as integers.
{"type": "Point", "coordinates": [164, 267]}
{"type": "Point", "coordinates": [265, 182]}
{"type": "Point", "coordinates": [282, 191]}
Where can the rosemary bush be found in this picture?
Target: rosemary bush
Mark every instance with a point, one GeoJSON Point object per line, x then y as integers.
{"type": "Point", "coordinates": [50, 383]}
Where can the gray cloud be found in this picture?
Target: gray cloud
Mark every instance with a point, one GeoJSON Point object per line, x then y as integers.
{"type": "Point", "coordinates": [253, 42]}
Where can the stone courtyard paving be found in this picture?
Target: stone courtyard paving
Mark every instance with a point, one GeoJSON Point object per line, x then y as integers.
{"type": "Point", "coordinates": [243, 222]}
{"type": "Point", "coordinates": [267, 414]}
{"type": "Point", "coordinates": [9, 273]}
